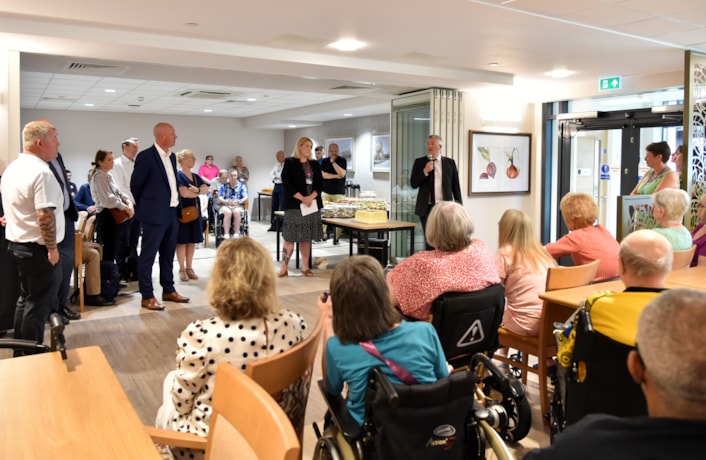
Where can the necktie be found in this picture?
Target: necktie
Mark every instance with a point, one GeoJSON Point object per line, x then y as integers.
{"type": "Point", "coordinates": [432, 192]}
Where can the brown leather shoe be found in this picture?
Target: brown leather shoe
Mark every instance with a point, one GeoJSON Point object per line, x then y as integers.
{"type": "Point", "coordinates": [152, 304]}
{"type": "Point", "coordinates": [174, 297]}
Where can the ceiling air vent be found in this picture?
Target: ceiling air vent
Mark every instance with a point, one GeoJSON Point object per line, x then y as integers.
{"type": "Point", "coordinates": [350, 88]}
{"type": "Point", "coordinates": [86, 68]}
{"type": "Point", "coordinates": [210, 95]}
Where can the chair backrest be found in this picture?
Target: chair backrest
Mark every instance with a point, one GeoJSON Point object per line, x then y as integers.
{"type": "Point", "coordinates": [248, 421]}
{"type": "Point", "coordinates": [467, 322]}
{"type": "Point", "coordinates": [603, 384]}
{"type": "Point", "coordinates": [287, 376]}
{"type": "Point", "coordinates": [568, 277]}
{"type": "Point", "coordinates": [413, 414]}
{"type": "Point", "coordinates": [89, 229]}
{"type": "Point", "coordinates": [682, 259]}
{"type": "Point", "coordinates": [81, 222]}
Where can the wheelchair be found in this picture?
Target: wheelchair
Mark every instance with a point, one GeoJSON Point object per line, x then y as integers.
{"type": "Point", "coordinates": [592, 377]}
{"type": "Point", "coordinates": [440, 420]}
{"type": "Point", "coordinates": [30, 347]}
{"type": "Point", "coordinates": [467, 323]}
{"type": "Point", "coordinates": [244, 223]}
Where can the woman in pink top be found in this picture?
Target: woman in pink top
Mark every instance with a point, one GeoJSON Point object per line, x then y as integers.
{"type": "Point", "coordinates": [208, 170]}
{"type": "Point", "coordinates": [459, 263]}
{"type": "Point", "coordinates": [586, 242]}
{"type": "Point", "coordinates": [522, 265]}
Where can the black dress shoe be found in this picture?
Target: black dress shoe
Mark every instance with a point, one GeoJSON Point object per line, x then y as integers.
{"type": "Point", "coordinates": [65, 319]}
{"type": "Point", "coordinates": [98, 301]}
{"type": "Point", "coordinates": [122, 284]}
{"type": "Point", "coordinates": [69, 313]}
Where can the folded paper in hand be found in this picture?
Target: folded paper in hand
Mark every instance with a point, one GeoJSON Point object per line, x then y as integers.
{"type": "Point", "coordinates": [306, 210]}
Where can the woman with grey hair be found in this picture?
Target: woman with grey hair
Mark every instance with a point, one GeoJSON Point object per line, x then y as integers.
{"type": "Point", "coordinates": [458, 263]}
{"type": "Point", "coordinates": [668, 208]}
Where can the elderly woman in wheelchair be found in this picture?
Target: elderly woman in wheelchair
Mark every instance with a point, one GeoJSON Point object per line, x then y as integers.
{"type": "Point", "coordinates": [396, 374]}
{"type": "Point", "coordinates": [231, 197]}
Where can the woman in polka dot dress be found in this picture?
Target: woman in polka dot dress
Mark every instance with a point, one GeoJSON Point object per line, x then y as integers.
{"type": "Point", "coordinates": [247, 327]}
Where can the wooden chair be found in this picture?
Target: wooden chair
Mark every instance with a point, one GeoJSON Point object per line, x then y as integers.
{"type": "Point", "coordinates": [682, 259]}
{"type": "Point", "coordinates": [86, 234]}
{"type": "Point", "coordinates": [544, 346]}
{"type": "Point", "coordinates": [287, 377]}
{"type": "Point", "coordinates": [246, 423]}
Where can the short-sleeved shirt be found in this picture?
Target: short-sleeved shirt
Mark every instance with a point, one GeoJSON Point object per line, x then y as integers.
{"type": "Point", "coordinates": [424, 276]}
{"type": "Point", "coordinates": [334, 186]}
{"type": "Point", "coordinates": [678, 236]}
{"type": "Point", "coordinates": [587, 244]}
{"type": "Point", "coordinates": [27, 186]}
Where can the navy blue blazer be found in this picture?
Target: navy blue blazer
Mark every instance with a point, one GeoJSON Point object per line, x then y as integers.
{"type": "Point", "coordinates": [150, 187]}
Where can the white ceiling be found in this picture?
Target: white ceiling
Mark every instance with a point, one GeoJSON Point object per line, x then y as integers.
{"type": "Point", "coordinates": [158, 54]}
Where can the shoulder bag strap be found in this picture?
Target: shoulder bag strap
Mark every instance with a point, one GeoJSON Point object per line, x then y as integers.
{"type": "Point", "coordinates": [402, 373]}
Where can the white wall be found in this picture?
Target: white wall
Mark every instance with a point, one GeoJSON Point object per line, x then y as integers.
{"type": "Point", "coordinates": [82, 133]}
{"type": "Point", "coordinates": [503, 104]}
{"type": "Point", "coordinates": [361, 129]}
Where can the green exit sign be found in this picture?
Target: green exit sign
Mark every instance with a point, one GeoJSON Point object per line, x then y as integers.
{"type": "Point", "coordinates": [607, 84]}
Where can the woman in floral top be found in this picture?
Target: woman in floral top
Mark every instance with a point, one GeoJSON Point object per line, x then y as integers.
{"type": "Point", "coordinates": [459, 263]}
{"type": "Point", "coordinates": [247, 327]}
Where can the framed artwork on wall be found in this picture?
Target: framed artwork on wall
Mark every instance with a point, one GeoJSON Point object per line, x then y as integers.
{"type": "Point", "coordinates": [498, 163]}
{"type": "Point", "coordinates": [380, 153]}
{"type": "Point", "coordinates": [345, 149]}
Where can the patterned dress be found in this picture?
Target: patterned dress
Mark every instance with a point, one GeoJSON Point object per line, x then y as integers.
{"type": "Point", "coordinates": [418, 280]}
{"type": "Point", "coordinates": [205, 343]}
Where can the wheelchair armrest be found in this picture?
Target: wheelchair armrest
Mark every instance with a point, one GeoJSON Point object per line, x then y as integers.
{"type": "Point", "coordinates": [338, 409]}
{"type": "Point", "coordinates": [28, 346]}
{"type": "Point", "coordinates": [176, 438]}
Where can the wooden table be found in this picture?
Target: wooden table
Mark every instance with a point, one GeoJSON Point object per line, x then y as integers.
{"type": "Point", "coordinates": [367, 229]}
{"type": "Point", "coordinates": [73, 409]}
{"type": "Point", "coordinates": [694, 277]}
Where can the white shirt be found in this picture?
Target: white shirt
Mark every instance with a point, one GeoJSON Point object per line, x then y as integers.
{"type": "Point", "coordinates": [276, 174]}
{"type": "Point", "coordinates": [122, 172]}
{"type": "Point", "coordinates": [27, 186]}
{"type": "Point", "coordinates": [171, 175]}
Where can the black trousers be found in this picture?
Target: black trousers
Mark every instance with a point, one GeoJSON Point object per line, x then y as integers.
{"type": "Point", "coordinates": [39, 287]}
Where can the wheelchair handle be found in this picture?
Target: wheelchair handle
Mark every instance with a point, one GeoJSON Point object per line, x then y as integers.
{"type": "Point", "coordinates": [58, 342]}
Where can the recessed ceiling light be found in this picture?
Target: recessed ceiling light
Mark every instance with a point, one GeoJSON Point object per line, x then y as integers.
{"type": "Point", "coordinates": [292, 126]}
{"type": "Point", "coordinates": [251, 99]}
{"type": "Point", "coordinates": [88, 105]}
{"type": "Point", "coordinates": [208, 110]}
{"type": "Point", "coordinates": [347, 44]}
{"type": "Point", "coordinates": [560, 73]}
{"type": "Point", "coordinates": [493, 64]}
{"type": "Point", "coordinates": [347, 114]}
{"type": "Point", "coordinates": [192, 24]}
{"type": "Point", "coordinates": [109, 90]}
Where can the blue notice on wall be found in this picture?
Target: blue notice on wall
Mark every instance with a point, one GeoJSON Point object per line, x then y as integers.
{"type": "Point", "coordinates": [605, 172]}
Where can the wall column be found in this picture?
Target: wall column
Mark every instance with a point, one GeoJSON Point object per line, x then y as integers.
{"type": "Point", "coordinates": [10, 142]}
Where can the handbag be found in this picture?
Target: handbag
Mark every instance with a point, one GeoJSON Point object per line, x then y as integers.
{"type": "Point", "coordinates": [189, 214]}
{"type": "Point", "coordinates": [119, 215]}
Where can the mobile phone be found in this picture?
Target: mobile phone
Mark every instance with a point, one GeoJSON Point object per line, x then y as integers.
{"type": "Point", "coordinates": [325, 296]}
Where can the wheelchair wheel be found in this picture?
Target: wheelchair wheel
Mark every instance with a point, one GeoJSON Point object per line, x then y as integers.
{"type": "Point", "coordinates": [518, 411]}
{"type": "Point", "coordinates": [326, 449]}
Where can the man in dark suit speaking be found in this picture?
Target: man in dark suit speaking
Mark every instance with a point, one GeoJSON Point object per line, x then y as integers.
{"type": "Point", "coordinates": [437, 180]}
{"type": "Point", "coordinates": [154, 186]}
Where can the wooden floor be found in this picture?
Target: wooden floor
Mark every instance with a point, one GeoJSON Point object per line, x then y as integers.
{"type": "Point", "coordinates": [140, 345]}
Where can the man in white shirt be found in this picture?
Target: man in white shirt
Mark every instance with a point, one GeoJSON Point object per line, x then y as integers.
{"type": "Point", "coordinates": [128, 231]}
{"type": "Point", "coordinates": [34, 210]}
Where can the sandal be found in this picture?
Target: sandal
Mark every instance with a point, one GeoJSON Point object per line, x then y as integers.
{"type": "Point", "coordinates": [307, 272]}
{"type": "Point", "coordinates": [191, 274]}
{"type": "Point", "coordinates": [183, 276]}
{"type": "Point", "coordinates": [282, 275]}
